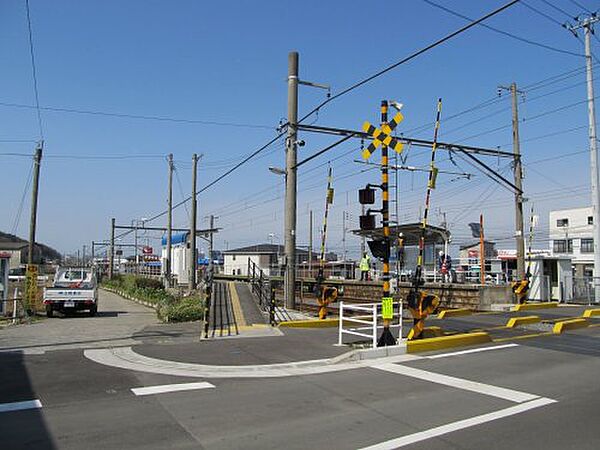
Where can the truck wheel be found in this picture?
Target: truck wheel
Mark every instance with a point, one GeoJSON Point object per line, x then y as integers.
{"type": "Point", "coordinates": [93, 311]}
{"type": "Point", "coordinates": [49, 312]}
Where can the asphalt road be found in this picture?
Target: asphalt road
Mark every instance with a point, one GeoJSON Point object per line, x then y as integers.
{"type": "Point", "coordinates": [540, 394]}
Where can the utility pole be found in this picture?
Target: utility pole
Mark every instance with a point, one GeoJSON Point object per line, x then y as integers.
{"type": "Point", "coordinates": [344, 214]}
{"type": "Point", "coordinates": [111, 256]}
{"type": "Point", "coordinates": [135, 245]}
{"type": "Point", "coordinates": [193, 255]}
{"type": "Point", "coordinates": [169, 222]}
{"type": "Point", "coordinates": [481, 251]}
{"type": "Point", "coordinates": [290, 184]}
{"type": "Point", "coordinates": [518, 176]}
{"type": "Point", "coordinates": [83, 255]}
{"type": "Point", "coordinates": [211, 243]}
{"type": "Point", "coordinates": [587, 23]}
{"type": "Point", "coordinates": [310, 242]}
{"type": "Point", "coordinates": [37, 160]}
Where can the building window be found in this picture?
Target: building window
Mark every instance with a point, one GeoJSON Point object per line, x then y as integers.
{"type": "Point", "coordinates": [563, 246]}
{"type": "Point", "coordinates": [590, 220]}
{"type": "Point", "coordinates": [233, 257]}
{"type": "Point", "coordinates": [562, 223]}
{"type": "Point", "coordinates": [587, 246]}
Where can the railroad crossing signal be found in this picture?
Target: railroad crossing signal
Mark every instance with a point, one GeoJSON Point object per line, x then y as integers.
{"type": "Point", "coordinates": [383, 136]}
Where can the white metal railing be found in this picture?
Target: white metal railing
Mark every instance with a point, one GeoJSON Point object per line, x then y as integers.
{"type": "Point", "coordinates": [367, 322]}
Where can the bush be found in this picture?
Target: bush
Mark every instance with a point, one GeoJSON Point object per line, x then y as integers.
{"type": "Point", "coordinates": [168, 307]}
{"type": "Point", "coordinates": [187, 309]}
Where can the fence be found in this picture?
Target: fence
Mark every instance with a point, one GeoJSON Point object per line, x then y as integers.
{"type": "Point", "coordinates": [264, 292]}
{"type": "Point", "coordinates": [367, 320]}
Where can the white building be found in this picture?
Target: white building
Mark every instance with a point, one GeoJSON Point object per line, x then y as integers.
{"type": "Point", "coordinates": [268, 257]}
{"type": "Point", "coordinates": [180, 257]}
{"type": "Point", "coordinates": [571, 234]}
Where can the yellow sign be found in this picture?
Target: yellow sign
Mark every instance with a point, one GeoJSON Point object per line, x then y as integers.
{"type": "Point", "coordinates": [387, 308]}
{"type": "Point", "coordinates": [31, 287]}
{"type": "Point", "coordinates": [382, 136]}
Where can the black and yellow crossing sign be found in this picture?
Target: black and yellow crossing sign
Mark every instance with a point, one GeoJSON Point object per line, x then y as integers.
{"type": "Point", "coordinates": [383, 136]}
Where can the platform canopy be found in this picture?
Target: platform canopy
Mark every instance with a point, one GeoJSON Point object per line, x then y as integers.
{"type": "Point", "coordinates": [411, 233]}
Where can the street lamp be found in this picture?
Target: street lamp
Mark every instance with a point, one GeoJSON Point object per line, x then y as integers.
{"type": "Point", "coordinates": [277, 171]}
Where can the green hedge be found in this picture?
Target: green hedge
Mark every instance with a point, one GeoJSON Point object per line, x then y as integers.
{"type": "Point", "coordinates": [168, 307]}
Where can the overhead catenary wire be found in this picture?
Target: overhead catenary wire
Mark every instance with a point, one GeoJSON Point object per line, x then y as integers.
{"type": "Point", "coordinates": [505, 33]}
{"type": "Point", "coordinates": [17, 219]}
{"type": "Point", "coordinates": [408, 58]}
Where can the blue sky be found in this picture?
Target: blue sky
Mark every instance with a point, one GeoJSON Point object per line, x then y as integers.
{"type": "Point", "coordinates": [202, 61]}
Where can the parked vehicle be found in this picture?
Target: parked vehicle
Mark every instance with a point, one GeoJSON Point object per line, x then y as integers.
{"type": "Point", "coordinates": [74, 289]}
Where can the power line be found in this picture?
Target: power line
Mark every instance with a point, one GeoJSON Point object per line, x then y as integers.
{"type": "Point", "coordinates": [505, 33]}
{"type": "Point", "coordinates": [541, 13]}
{"type": "Point", "coordinates": [34, 71]}
{"type": "Point", "coordinates": [137, 116]}
{"type": "Point", "coordinates": [181, 189]}
{"type": "Point", "coordinates": [408, 58]}
{"type": "Point", "coordinates": [579, 5]}
{"type": "Point", "coordinates": [562, 11]}
{"type": "Point", "coordinates": [17, 219]}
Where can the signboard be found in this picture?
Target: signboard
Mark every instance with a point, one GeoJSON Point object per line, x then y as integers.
{"type": "Point", "coordinates": [387, 308]}
{"type": "Point", "coordinates": [31, 287]}
{"type": "Point", "coordinates": [118, 252]}
{"type": "Point", "coordinates": [147, 250]}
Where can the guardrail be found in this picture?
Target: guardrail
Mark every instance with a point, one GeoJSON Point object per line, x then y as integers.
{"type": "Point", "coordinates": [261, 287]}
{"type": "Point", "coordinates": [368, 324]}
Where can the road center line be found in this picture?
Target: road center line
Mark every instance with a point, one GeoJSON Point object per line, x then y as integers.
{"type": "Point", "coordinates": [473, 350]}
{"type": "Point", "coordinates": [19, 406]}
{"type": "Point", "coordinates": [163, 388]}
{"type": "Point", "coordinates": [459, 383]}
{"type": "Point", "coordinates": [460, 425]}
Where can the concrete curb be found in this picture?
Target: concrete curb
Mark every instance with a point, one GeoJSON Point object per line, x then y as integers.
{"type": "Point", "coordinates": [129, 297]}
{"type": "Point", "coordinates": [325, 323]}
{"type": "Point", "coordinates": [454, 313]}
{"type": "Point", "coordinates": [591, 313]}
{"type": "Point", "coordinates": [439, 343]}
{"type": "Point", "coordinates": [538, 305]}
{"type": "Point", "coordinates": [516, 321]}
{"type": "Point", "coordinates": [571, 324]}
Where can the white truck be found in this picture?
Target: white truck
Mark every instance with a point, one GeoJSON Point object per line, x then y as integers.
{"type": "Point", "coordinates": [74, 289]}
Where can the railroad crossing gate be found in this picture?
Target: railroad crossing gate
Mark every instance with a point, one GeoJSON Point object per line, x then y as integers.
{"type": "Point", "coordinates": [383, 136]}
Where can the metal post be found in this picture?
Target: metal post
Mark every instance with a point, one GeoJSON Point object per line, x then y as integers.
{"type": "Point", "coordinates": [168, 264]}
{"type": "Point", "coordinates": [385, 220]}
{"type": "Point", "coordinates": [37, 159]}
{"type": "Point", "coordinates": [593, 160]}
{"type": "Point", "coordinates": [290, 183]}
{"type": "Point", "coordinates": [193, 255]}
{"type": "Point", "coordinates": [111, 256]}
{"type": "Point", "coordinates": [344, 234]}
{"type": "Point", "coordinates": [310, 243]}
{"type": "Point", "coordinates": [83, 255]}
{"type": "Point", "coordinates": [210, 245]}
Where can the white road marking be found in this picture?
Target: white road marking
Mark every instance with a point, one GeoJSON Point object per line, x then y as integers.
{"type": "Point", "coordinates": [19, 406]}
{"type": "Point", "coordinates": [163, 388]}
{"type": "Point", "coordinates": [459, 383]}
{"type": "Point", "coordinates": [473, 350]}
{"type": "Point", "coordinates": [460, 425]}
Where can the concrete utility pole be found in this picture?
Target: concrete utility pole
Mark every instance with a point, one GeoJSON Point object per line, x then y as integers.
{"type": "Point", "coordinates": [37, 160]}
{"type": "Point", "coordinates": [310, 242]}
{"type": "Point", "coordinates": [587, 23]}
{"type": "Point", "coordinates": [211, 243]}
{"type": "Point", "coordinates": [192, 253]}
{"type": "Point", "coordinates": [344, 215]}
{"type": "Point", "coordinates": [169, 223]}
{"type": "Point", "coordinates": [83, 255]}
{"type": "Point", "coordinates": [111, 256]}
{"type": "Point", "coordinates": [518, 175]}
{"type": "Point", "coordinates": [290, 183]}
{"type": "Point", "coordinates": [135, 245]}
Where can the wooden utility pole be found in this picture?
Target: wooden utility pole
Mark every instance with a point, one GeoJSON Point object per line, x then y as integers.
{"type": "Point", "coordinates": [37, 159]}
{"type": "Point", "coordinates": [169, 223]}
{"type": "Point", "coordinates": [193, 254]}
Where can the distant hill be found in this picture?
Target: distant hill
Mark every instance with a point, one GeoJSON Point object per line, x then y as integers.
{"type": "Point", "coordinates": [48, 253]}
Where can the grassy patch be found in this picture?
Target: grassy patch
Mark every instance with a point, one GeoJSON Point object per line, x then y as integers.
{"type": "Point", "coordinates": [169, 308]}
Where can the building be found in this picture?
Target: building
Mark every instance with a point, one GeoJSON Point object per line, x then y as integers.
{"type": "Point", "coordinates": [551, 278]}
{"type": "Point", "coordinates": [470, 262]}
{"type": "Point", "coordinates": [571, 234]}
{"type": "Point", "coordinates": [268, 257]}
{"type": "Point", "coordinates": [180, 258]}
